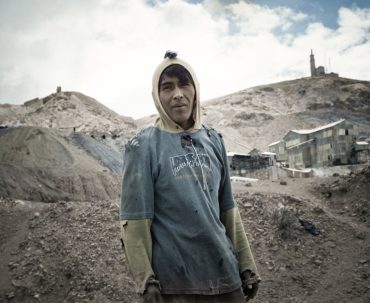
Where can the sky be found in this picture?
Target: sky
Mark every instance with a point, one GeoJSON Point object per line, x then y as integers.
{"type": "Point", "coordinates": [109, 49]}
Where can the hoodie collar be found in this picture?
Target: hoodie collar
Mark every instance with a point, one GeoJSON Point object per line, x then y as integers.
{"type": "Point", "coordinates": [164, 122]}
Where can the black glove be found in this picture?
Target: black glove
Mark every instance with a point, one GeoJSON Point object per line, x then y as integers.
{"type": "Point", "coordinates": [152, 294]}
{"type": "Point", "coordinates": [249, 285]}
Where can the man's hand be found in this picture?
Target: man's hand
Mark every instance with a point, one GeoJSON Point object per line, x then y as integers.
{"type": "Point", "coordinates": [249, 285]}
{"type": "Point", "coordinates": [152, 294]}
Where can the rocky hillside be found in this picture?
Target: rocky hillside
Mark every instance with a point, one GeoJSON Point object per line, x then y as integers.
{"type": "Point", "coordinates": [41, 164]}
{"type": "Point", "coordinates": [258, 116]}
{"type": "Point", "coordinates": [261, 115]}
{"type": "Point", "coordinates": [68, 111]}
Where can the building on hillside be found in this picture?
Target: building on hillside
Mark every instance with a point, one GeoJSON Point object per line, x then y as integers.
{"type": "Point", "coordinates": [331, 144]}
{"type": "Point", "coordinates": [242, 164]}
{"type": "Point", "coordinates": [320, 70]}
{"type": "Point", "coordinates": [279, 149]}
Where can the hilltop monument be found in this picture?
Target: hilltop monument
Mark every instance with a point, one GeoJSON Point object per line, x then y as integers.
{"type": "Point", "coordinates": [320, 70]}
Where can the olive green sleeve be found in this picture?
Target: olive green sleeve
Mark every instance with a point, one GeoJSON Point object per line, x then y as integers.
{"type": "Point", "coordinates": [235, 231]}
{"type": "Point", "coordinates": [137, 242]}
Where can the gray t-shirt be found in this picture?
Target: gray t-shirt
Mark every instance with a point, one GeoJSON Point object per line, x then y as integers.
{"type": "Point", "coordinates": [164, 181]}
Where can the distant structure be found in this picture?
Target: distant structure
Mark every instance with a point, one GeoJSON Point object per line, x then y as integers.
{"type": "Point", "coordinates": [253, 164]}
{"type": "Point", "coordinates": [320, 70]}
{"type": "Point", "coordinates": [332, 144]}
{"type": "Point", "coordinates": [59, 89]}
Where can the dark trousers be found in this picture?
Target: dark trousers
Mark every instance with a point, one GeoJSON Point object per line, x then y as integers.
{"type": "Point", "coordinates": [236, 296]}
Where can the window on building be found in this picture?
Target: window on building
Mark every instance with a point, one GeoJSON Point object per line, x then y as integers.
{"type": "Point", "coordinates": [346, 132]}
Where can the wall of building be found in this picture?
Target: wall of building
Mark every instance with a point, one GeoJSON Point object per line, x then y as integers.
{"type": "Point", "coordinates": [280, 151]}
{"type": "Point", "coordinates": [330, 146]}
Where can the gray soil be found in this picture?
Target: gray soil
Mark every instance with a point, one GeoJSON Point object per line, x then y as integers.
{"type": "Point", "coordinates": [70, 251]}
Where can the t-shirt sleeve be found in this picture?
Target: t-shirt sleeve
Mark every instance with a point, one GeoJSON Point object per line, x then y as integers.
{"type": "Point", "coordinates": [137, 196]}
{"type": "Point", "coordinates": [225, 195]}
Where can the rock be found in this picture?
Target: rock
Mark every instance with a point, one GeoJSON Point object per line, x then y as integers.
{"type": "Point", "coordinates": [361, 235]}
{"type": "Point", "coordinates": [343, 189]}
{"type": "Point", "coordinates": [318, 210]}
{"type": "Point", "coordinates": [327, 194]}
{"type": "Point", "coordinates": [12, 265]}
{"type": "Point", "coordinates": [282, 182]}
{"type": "Point", "coordinates": [317, 262]}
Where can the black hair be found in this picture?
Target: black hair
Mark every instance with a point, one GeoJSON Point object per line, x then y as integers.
{"type": "Point", "coordinates": [178, 71]}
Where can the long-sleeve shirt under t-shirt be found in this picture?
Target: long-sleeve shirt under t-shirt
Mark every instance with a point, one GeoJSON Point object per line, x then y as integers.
{"type": "Point", "coordinates": [180, 182]}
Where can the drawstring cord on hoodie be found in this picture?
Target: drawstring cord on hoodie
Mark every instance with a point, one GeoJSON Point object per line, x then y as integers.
{"type": "Point", "coordinates": [187, 138]}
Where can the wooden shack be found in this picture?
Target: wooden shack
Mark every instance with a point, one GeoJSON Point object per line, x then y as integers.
{"type": "Point", "coordinates": [331, 144]}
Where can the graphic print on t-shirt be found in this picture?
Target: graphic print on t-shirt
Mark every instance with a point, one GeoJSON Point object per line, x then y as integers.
{"type": "Point", "coordinates": [180, 163]}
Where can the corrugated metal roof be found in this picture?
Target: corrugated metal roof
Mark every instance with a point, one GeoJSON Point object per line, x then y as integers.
{"type": "Point", "coordinates": [231, 154]}
{"type": "Point", "coordinates": [313, 130]}
{"type": "Point", "coordinates": [275, 143]}
{"type": "Point", "coordinates": [268, 154]}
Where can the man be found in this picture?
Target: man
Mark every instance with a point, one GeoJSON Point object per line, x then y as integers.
{"type": "Point", "coordinates": [182, 232]}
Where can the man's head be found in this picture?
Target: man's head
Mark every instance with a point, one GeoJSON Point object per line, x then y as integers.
{"type": "Point", "coordinates": [177, 94]}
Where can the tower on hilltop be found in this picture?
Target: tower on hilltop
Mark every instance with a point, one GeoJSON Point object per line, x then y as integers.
{"type": "Point", "coordinates": [312, 64]}
{"type": "Point", "coordinates": [320, 70]}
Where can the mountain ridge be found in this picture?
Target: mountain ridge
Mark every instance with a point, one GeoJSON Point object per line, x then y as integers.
{"type": "Point", "coordinates": [250, 118]}
{"type": "Point", "coordinates": [68, 111]}
{"type": "Point", "coordinates": [258, 116]}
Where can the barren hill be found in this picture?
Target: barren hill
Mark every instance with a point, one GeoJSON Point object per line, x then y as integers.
{"type": "Point", "coordinates": [68, 111]}
{"type": "Point", "coordinates": [40, 164]}
{"type": "Point", "coordinates": [261, 115]}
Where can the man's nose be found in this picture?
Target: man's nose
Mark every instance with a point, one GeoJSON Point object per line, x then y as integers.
{"type": "Point", "coordinates": [178, 93]}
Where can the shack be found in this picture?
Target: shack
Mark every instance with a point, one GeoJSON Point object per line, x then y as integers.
{"type": "Point", "coordinates": [331, 144]}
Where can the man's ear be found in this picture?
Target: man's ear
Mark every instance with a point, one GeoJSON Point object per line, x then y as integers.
{"type": "Point", "coordinates": [194, 109]}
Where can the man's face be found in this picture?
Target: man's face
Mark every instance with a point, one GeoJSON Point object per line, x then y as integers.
{"type": "Point", "coordinates": [177, 100]}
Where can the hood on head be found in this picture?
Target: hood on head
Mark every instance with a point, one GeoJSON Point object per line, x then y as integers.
{"type": "Point", "coordinates": [164, 121]}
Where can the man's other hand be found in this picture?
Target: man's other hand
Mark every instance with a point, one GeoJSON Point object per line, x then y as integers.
{"type": "Point", "coordinates": [152, 295]}
{"type": "Point", "coordinates": [249, 285]}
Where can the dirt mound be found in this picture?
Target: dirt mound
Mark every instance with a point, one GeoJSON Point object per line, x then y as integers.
{"type": "Point", "coordinates": [297, 266]}
{"type": "Point", "coordinates": [41, 165]}
{"type": "Point", "coordinates": [43, 148]}
{"type": "Point", "coordinates": [37, 184]}
{"type": "Point", "coordinates": [349, 195]}
{"type": "Point", "coordinates": [107, 154]}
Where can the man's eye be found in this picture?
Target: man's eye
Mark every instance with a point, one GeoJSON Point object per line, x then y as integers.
{"type": "Point", "coordinates": [185, 84]}
{"type": "Point", "coordinates": [166, 87]}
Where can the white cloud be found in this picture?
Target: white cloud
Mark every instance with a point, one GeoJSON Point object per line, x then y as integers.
{"type": "Point", "coordinates": [108, 49]}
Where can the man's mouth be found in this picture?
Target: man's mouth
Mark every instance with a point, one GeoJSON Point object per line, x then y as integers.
{"type": "Point", "coordinates": [180, 106]}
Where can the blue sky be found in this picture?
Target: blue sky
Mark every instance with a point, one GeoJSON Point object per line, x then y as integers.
{"type": "Point", "coordinates": [108, 49]}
